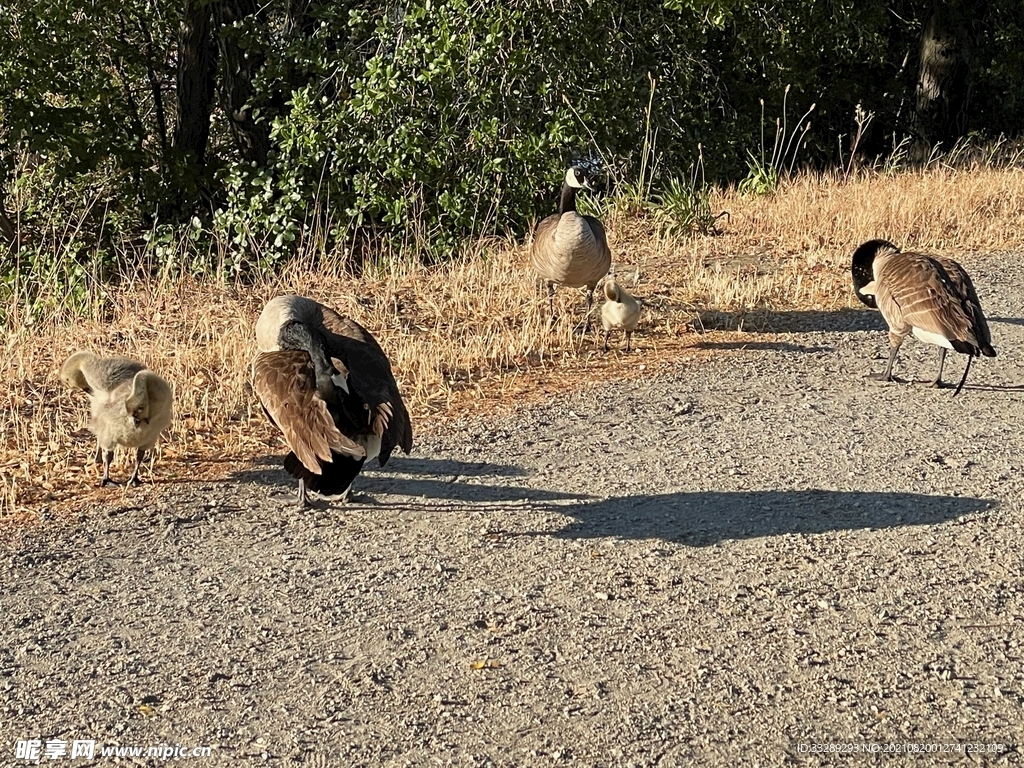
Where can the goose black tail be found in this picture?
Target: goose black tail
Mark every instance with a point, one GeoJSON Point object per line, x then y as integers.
{"type": "Point", "coordinates": [335, 477]}
{"type": "Point", "coordinates": [964, 378]}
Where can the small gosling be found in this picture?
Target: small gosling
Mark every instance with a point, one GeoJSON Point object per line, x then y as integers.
{"type": "Point", "coordinates": [621, 312]}
{"type": "Point", "coordinates": [129, 405]}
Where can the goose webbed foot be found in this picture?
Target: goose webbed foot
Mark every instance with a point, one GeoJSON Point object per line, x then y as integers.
{"type": "Point", "coordinates": [299, 499]}
{"type": "Point", "coordinates": [885, 376]}
{"type": "Point", "coordinates": [348, 496]}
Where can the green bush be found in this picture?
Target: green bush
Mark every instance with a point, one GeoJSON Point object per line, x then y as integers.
{"type": "Point", "coordinates": [341, 128]}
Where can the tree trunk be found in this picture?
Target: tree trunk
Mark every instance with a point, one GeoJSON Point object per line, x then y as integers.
{"type": "Point", "coordinates": [240, 64]}
{"type": "Point", "coordinates": [197, 59]}
{"type": "Point", "coordinates": [945, 74]}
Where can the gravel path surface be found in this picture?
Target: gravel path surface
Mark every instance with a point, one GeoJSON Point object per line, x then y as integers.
{"type": "Point", "coordinates": [709, 567]}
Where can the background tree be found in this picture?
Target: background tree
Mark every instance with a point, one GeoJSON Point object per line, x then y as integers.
{"type": "Point", "coordinates": [265, 127]}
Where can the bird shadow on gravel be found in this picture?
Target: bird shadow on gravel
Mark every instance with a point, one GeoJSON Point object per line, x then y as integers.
{"type": "Point", "coordinates": [1007, 320]}
{"type": "Point", "coordinates": [420, 466]}
{"type": "Point", "coordinates": [791, 321]}
{"type": "Point", "coordinates": [772, 346]}
{"type": "Point", "coordinates": [448, 482]}
{"type": "Point", "coordinates": [807, 321]}
{"type": "Point", "coordinates": [705, 518]}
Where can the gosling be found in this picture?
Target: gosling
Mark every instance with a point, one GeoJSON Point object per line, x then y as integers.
{"type": "Point", "coordinates": [129, 405]}
{"type": "Point", "coordinates": [621, 312]}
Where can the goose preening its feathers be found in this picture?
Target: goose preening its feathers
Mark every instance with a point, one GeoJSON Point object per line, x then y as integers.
{"type": "Point", "coordinates": [569, 249]}
{"type": "Point", "coordinates": [620, 312]}
{"type": "Point", "coordinates": [931, 297]}
{"type": "Point", "coordinates": [129, 405]}
{"type": "Point", "coordinates": [328, 386]}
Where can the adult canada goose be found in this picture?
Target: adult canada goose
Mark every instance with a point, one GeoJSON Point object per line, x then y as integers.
{"type": "Point", "coordinates": [620, 312]}
{"type": "Point", "coordinates": [129, 405]}
{"type": "Point", "coordinates": [931, 297]}
{"type": "Point", "coordinates": [569, 249]}
{"type": "Point", "coordinates": [326, 383]}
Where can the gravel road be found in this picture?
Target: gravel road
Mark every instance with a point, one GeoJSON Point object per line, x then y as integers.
{"type": "Point", "coordinates": [712, 567]}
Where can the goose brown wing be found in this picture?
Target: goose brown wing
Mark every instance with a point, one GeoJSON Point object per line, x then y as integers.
{"type": "Point", "coordinates": [285, 383]}
{"type": "Point", "coordinates": [915, 289]}
{"type": "Point", "coordinates": [372, 380]}
{"type": "Point", "coordinates": [600, 237]}
{"type": "Point", "coordinates": [969, 301]}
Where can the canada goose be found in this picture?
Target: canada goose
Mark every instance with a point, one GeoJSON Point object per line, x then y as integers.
{"type": "Point", "coordinates": [620, 312]}
{"type": "Point", "coordinates": [129, 405]}
{"type": "Point", "coordinates": [930, 296]}
{"type": "Point", "coordinates": [328, 386]}
{"type": "Point", "coordinates": [570, 249]}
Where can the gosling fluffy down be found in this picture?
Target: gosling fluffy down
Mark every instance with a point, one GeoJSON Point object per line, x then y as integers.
{"type": "Point", "coordinates": [620, 312]}
{"type": "Point", "coordinates": [129, 405]}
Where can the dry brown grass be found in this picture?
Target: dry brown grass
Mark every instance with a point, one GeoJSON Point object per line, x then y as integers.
{"type": "Point", "coordinates": [470, 336]}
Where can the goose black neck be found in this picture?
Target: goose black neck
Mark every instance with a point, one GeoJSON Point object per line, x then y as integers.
{"type": "Point", "coordinates": [300, 337]}
{"type": "Point", "coordinates": [862, 268]}
{"type": "Point", "coordinates": [568, 200]}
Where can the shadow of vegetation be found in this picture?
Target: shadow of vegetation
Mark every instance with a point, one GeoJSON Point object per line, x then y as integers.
{"type": "Point", "coordinates": [792, 321]}
{"type": "Point", "coordinates": [704, 518]}
{"type": "Point", "coordinates": [777, 346]}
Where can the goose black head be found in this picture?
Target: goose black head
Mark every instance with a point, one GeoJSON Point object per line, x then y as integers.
{"type": "Point", "coordinates": [862, 267]}
{"type": "Point", "coordinates": [576, 177]}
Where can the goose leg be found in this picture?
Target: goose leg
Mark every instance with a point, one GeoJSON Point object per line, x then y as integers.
{"type": "Point", "coordinates": [887, 376]}
{"type": "Point", "coordinates": [108, 456]}
{"type": "Point", "coordinates": [606, 341]}
{"type": "Point", "coordinates": [937, 382]}
{"type": "Point", "coordinates": [301, 498]}
{"type": "Point", "coordinates": [629, 339]}
{"type": "Point", "coordinates": [590, 303]}
{"type": "Point", "coordinates": [551, 304]}
{"type": "Point", "coordinates": [134, 479]}
{"type": "Point", "coordinates": [99, 453]}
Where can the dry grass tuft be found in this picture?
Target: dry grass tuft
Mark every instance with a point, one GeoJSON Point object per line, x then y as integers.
{"type": "Point", "coordinates": [471, 336]}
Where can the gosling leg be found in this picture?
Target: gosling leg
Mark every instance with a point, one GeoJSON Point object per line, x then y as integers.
{"type": "Point", "coordinates": [134, 479]}
{"type": "Point", "coordinates": [108, 456]}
